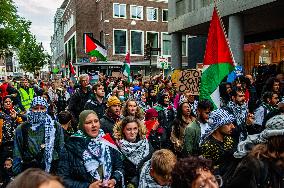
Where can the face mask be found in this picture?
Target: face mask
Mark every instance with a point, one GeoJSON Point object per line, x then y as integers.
{"type": "Point", "coordinates": [121, 98]}
{"type": "Point", "coordinates": [37, 117]}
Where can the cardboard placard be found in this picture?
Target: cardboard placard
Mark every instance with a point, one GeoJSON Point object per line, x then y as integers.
{"type": "Point", "coordinates": [187, 80]}
{"type": "Point", "coordinates": [117, 74]}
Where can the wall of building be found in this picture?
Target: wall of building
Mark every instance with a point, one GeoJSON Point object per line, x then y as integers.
{"type": "Point", "coordinates": [142, 25]}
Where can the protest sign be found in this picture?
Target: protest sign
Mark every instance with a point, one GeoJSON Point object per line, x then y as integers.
{"type": "Point", "coordinates": [187, 80]}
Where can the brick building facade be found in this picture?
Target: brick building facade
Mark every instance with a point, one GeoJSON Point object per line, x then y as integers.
{"type": "Point", "coordinates": [122, 26]}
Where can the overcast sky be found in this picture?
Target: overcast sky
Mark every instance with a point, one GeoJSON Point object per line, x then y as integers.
{"type": "Point", "coordinates": [40, 13]}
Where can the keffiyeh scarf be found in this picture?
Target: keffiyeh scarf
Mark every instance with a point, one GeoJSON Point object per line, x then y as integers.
{"type": "Point", "coordinates": [41, 118]}
{"type": "Point", "coordinates": [134, 152]}
{"type": "Point", "coordinates": [97, 158]}
{"type": "Point", "coordinates": [49, 138]}
{"type": "Point", "coordinates": [240, 113]}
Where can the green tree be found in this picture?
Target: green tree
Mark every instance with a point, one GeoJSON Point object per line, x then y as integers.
{"type": "Point", "coordinates": [32, 56]}
{"type": "Point", "coordinates": [13, 28]}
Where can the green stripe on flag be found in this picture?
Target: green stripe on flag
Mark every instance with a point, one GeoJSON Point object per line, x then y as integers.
{"type": "Point", "coordinates": [212, 77]}
{"type": "Point", "coordinates": [97, 54]}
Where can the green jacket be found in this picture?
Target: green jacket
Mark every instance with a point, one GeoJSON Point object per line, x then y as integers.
{"type": "Point", "coordinates": [192, 138]}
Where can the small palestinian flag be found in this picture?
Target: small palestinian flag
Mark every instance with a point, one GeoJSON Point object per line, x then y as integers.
{"type": "Point", "coordinates": [72, 70]}
{"type": "Point", "coordinates": [126, 67]}
{"type": "Point", "coordinates": [94, 48]}
{"type": "Point", "coordinates": [108, 140]}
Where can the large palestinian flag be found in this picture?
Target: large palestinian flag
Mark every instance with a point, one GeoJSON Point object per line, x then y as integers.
{"type": "Point", "coordinates": [218, 61]}
{"type": "Point", "coordinates": [94, 48]}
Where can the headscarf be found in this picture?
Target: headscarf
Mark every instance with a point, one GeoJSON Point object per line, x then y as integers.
{"type": "Point", "coordinates": [37, 118]}
{"type": "Point", "coordinates": [150, 114]}
{"type": "Point", "coordinates": [96, 156]}
{"type": "Point", "coordinates": [217, 118]}
{"type": "Point", "coordinates": [82, 118]}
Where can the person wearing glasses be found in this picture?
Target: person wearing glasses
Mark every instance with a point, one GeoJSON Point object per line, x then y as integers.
{"type": "Point", "coordinates": [39, 141]}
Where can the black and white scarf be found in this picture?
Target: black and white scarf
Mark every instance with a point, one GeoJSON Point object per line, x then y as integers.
{"type": "Point", "coordinates": [134, 152]}
{"type": "Point", "coordinates": [41, 118]}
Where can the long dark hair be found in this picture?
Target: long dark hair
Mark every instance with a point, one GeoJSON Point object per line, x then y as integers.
{"type": "Point", "coordinates": [178, 121]}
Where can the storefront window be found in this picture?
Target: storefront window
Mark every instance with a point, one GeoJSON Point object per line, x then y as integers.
{"type": "Point", "coordinates": [264, 56]}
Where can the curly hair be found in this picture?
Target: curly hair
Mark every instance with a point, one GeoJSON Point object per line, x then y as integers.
{"type": "Point", "coordinates": [119, 126]}
{"type": "Point", "coordinates": [185, 171]}
{"type": "Point", "coordinates": [138, 114]}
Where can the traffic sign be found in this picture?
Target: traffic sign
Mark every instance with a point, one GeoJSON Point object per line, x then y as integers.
{"type": "Point", "coordinates": [162, 62]}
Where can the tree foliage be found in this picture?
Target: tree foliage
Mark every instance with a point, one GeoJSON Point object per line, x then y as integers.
{"type": "Point", "coordinates": [32, 56]}
{"type": "Point", "coordinates": [13, 28]}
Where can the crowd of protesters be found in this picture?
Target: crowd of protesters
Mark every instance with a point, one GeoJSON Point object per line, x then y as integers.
{"type": "Point", "coordinates": [66, 133]}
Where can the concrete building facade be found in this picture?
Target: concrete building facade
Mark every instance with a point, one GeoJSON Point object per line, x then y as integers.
{"type": "Point", "coordinates": [245, 21]}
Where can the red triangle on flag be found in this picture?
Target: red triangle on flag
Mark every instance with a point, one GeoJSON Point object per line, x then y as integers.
{"type": "Point", "coordinates": [127, 58]}
{"type": "Point", "coordinates": [217, 47]}
{"type": "Point", "coordinates": [89, 44]}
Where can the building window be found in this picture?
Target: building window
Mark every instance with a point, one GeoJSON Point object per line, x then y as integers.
{"type": "Point", "coordinates": [136, 12]}
{"type": "Point", "coordinates": [184, 48]}
{"type": "Point", "coordinates": [119, 10]}
{"type": "Point", "coordinates": [165, 15]}
{"type": "Point", "coordinates": [137, 42]}
{"type": "Point", "coordinates": [153, 40]}
{"type": "Point", "coordinates": [166, 44]}
{"type": "Point", "coordinates": [152, 14]}
{"type": "Point", "coordinates": [120, 45]}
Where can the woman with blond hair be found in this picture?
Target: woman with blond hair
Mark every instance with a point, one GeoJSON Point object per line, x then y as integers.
{"type": "Point", "coordinates": [130, 135]}
{"type": "Point", "coordinates": [131, 108]}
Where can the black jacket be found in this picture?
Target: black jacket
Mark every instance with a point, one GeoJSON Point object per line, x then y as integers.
{"type": "Point", "coordinates": [256, 173]}
{"type": "Point", "coordinates": [107, 124]}
{"type": "Point", "coordinates": [71, 166]}
{"type": "Point", "coordinates": [78, 101]}
{"type": "Point", "coordinates": [132, 171]}
{"type": "Point", "coordinates": [95, 105]}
